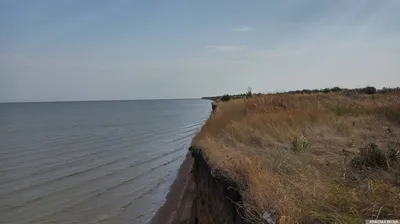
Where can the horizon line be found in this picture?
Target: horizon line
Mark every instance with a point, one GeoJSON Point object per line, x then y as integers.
{"type": "Point", "coordinates": [88, 101]}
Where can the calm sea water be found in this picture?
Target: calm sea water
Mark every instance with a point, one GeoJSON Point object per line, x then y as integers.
{"type": "Point", "coordinates": [92, 162]}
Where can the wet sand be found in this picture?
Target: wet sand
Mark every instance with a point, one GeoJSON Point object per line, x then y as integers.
{"type": "Point", "coordinates": [178, 203]}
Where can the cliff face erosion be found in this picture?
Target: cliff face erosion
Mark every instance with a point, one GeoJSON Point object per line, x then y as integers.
{"type": "Point", "coordinates": [215, 198]}
{"type": "Point", "coordinates": [199, 195]}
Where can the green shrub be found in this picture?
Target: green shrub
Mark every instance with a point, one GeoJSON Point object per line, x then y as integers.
{"type": "Point", "coordinates": [249, 93]}
{"type": "Point", "coordinates": [371, 156]}
{"type": "Point", "coordinates": [226, 97]}
{"type": "Point", "coordinates": [369, 90]}
{"type": "Point", "coordinates": [300, 144]}
{"type": "Point", "coordinates": [336, 89]}
{"type": "Point", "coordinates": [326, 90]}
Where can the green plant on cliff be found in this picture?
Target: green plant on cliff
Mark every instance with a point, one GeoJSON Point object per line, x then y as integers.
{"type": "Point", "coordinates": [249, 93]}
{"type": "Point", "coordinates": [300, 144]}
{"type": "Point", "coordinates": [371, 156]}
{"type": "Point", "coordinates": [226, 97]}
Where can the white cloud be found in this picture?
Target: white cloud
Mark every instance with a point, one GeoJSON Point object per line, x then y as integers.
{"type": "Point", "coordinates": [227, 48]}
{"type": "Point", "coordinates": [242, 29]}
{"type": "Point", "coordinates": [280, 53]}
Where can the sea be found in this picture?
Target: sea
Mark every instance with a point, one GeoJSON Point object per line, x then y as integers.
{"type": "Point", "coordinates": [92, 162]}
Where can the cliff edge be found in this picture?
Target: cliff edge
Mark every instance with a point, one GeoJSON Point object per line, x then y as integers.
{"type": "Point", "coordinates": [292, 158]}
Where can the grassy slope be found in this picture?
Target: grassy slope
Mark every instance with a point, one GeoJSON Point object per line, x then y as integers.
{"type": "Point", "coordinates": [300, 154]}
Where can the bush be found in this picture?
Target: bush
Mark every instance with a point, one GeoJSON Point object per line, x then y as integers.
{"type": "Point", "coordinates": [249, 93]}
{"type": "Point", "coordinates": [226, 97]}
{"type": "Point", "coordinates": [336, 89]}
{"type": "Point", "coordinates": [369, 90]}
{"type": "Point", "coordinates": [326, 90]}
{"type": "Point", "coordinates": [299, 145]}
{"type": "Point", "coordinates": [371, 156]}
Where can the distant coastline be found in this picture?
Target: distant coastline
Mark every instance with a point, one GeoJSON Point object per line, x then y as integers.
{"type": "Point", "coordinates": [213, 98]}
{"type": "Point", "coordinates": [365, 90]}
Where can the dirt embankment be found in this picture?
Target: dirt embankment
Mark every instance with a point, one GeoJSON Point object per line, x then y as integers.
{"type": "Point", "coordinates": [198, 195]}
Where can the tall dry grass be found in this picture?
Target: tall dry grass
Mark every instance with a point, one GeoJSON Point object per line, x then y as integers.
{"type": "Point", "coordinates": [296, 153]}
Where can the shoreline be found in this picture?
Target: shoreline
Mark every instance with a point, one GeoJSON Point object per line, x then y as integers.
{"type": "Point", "coordinates": [178, 201]}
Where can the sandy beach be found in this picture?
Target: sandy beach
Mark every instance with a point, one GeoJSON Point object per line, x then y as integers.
{"type": "Point", "coordinates": [177, 206]}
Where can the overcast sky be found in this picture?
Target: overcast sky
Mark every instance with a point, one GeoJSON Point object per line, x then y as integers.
{"type": "Point", "coordinates": [124, 49]}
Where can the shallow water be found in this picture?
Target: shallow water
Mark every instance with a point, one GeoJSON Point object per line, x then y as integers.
{"type": "Point", "coordinates": [92, 162]}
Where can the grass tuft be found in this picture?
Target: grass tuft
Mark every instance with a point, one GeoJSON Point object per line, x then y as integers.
{"type": "Point", "coordinates": [371, 156]}
{"type": "Point", "coordinates": [300, 144]}
{"type": "Point", "coordinates": [342, 111]}
{"type": "Point", "coordinates": [394, 155]}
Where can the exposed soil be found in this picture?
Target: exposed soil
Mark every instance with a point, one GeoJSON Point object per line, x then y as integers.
{"type": "Point", "coordinates": [179, 199]}
{"type": "Point", "coordinates": [196, 196]}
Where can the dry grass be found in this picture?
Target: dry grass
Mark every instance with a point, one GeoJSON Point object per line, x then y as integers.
{"type": "Point", "coordinates": [296, 153]}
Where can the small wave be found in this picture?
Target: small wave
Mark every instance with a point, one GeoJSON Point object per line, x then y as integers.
{"type": "Point", "coordinates": [109, 143]}
{"type": "Point", "coordinates": [108, 189]}
{"type": "Point", "coordinates": [89, 180]}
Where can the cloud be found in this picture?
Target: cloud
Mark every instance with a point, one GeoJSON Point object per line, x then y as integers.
{"type": "Point", "coordinates": [280, 53]}
{"type": "Point", "coordinates": [226, 48]}
{"type": "Point", "coordinates": [242, 29]}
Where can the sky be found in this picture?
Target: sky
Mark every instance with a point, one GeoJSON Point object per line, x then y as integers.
{"type": "Point", "coordinates": [70, 50]}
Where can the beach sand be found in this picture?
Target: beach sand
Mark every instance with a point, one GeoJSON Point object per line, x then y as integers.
{"type": "Point", "coordinates": [179, 200]}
